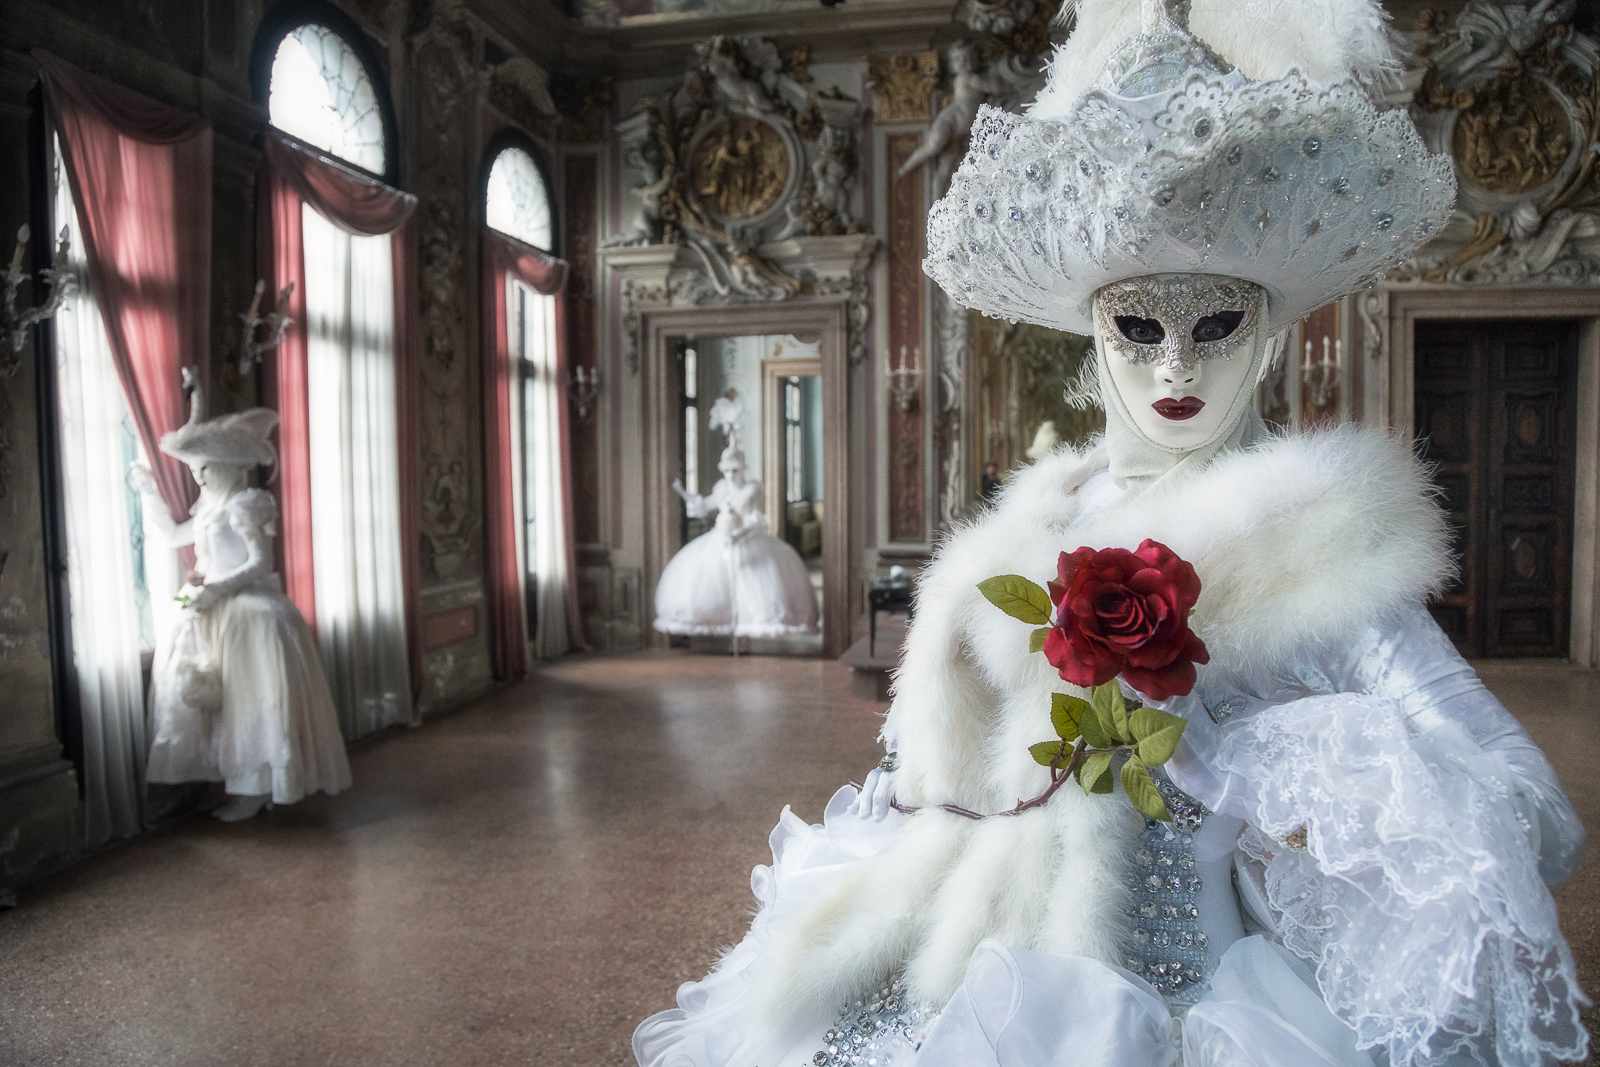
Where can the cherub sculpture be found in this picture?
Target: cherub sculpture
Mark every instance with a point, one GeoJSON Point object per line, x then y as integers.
{"type": "Point", "coordinates": [970, 88]}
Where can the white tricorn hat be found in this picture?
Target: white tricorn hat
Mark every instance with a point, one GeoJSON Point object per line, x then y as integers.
{"type": "Point", "coordinates": [1241, 144]}
{"type": "Point", "coordinates": [242, 439]}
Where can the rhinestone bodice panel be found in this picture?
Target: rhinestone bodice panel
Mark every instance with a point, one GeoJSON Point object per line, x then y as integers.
{"type": "Point", "coordinates": [1168, 948]}
{"type": "Point", "coordinates": [872, 1030]}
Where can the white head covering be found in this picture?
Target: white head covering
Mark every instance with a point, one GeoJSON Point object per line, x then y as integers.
{"type": "Point", "coordinates": [1149, 152]}
{"type": "Point", "coordinates": [242, 439]}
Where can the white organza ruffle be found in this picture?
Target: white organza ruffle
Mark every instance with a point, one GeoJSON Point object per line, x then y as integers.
{"type": "Point", "coordinates": [1417, 896]}
{"type": "Point", "coordinates": [712, 1026]}
{"type": "Point", "coordinates": [1029, 1009]}
{"type": "Point", "coordinates": [1016, 1008]}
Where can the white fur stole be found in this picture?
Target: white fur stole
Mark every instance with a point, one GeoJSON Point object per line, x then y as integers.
{"type": "Point", "coordinates": [1302, 540]}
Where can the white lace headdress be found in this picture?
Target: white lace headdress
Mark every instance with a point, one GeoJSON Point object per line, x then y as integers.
{"type": "Point", "coordinates": [1149, 153]}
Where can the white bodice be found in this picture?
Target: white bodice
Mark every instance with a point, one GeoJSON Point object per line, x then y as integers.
{"type": "Point", "coordinates": [223, 541]}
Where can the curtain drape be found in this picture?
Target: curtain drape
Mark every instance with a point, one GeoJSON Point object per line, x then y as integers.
{"type": "Point", "coordinates": [355, 477]}
{"type": "Point", "coordinates": [140, 175]}
{"type": "Point", "coordinates": [345, 376]}
{"type": "Point", "coordinates": [506, 263]}
{"type": "Point", "coordinates": [100, 578]}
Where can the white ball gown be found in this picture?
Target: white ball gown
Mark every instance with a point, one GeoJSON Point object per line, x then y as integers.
{"type": "Point", "coordinates": [736, 578]}
{"type": "Point", "coordinates": [1413, 927]}
{"type": "Point", "coordinates": [238, 693]}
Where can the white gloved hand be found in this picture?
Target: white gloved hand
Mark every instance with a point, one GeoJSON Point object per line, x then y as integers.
{"type": "Point", "coordinates": [873, 800]}
{"type": "Point", "coordinates": [143, 479]}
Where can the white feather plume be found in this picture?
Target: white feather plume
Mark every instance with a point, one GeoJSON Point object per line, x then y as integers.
{"type": "Point", "coordinates": [727, 415]}
{"type": "Point", "coordinates": [1326, 40]}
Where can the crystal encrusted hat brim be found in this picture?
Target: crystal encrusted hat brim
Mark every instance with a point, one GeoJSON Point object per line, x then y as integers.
{"type": "Point", "coordinates": [1303, 189]}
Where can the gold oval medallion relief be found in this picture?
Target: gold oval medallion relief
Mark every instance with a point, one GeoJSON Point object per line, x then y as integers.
{"type": "Point", "coordinates": [740, 168]}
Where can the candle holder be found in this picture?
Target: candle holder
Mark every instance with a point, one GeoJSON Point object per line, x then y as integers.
{"type": "Point", "coordinates": [17, 324]}
{"type": "Point", "coordinates": [905, 380]}
{"type": "Point", "coordinates": [274, 323]}
{"type": "Point", "coordinates": [583, 385]}
{"type": "Point", "coordinates": [1322, 377]}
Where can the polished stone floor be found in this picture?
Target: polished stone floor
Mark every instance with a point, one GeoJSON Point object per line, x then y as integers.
{"type": "Point", "coordinates": [518, 882]}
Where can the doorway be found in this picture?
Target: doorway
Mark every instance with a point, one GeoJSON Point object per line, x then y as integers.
{"type": "Point", "coordinates": [1494, 411]}
{"type": "Point", "coordinates": [795, 378]}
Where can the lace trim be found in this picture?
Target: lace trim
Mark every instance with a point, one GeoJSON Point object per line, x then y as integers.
{"type": "Point", "coordinates": [1417, 897]}
{"type": "Point", "coordinates": [1304, 189]}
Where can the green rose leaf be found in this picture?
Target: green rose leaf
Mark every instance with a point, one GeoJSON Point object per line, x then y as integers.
{"type": "Point", "coordinates": [1142, 791]}
{"type": "Point", "coordinates": [1018, 597]}
{"type": "Point", "coordinates": [1094, 729]}
{"type": "Point", "coordinates": [1094, 773]}
{"type": "Point", "coordinates": [1157, 734]}
{"type": "Point", "coordinates": [1051, 753]}
{"type": "Point", "coordinates": [1113, 713]}
{"type": "Point", "coordinates": [1036, 639]}
{"type": "Point", "coordinates": [1067, 714]}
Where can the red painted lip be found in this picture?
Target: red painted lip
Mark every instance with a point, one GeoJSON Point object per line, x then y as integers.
{"type": "Point", "coordinates": [1178, 410]}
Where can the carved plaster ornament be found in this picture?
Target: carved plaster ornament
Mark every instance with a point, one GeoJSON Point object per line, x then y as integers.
{"type": "Point", "coordinates": [904, 86]}
{"type": "Point", "coordinates": [726, 169]}
{"type": "Point", "coordinates": [1510, 90]}
{"type": "Point", "coordinates": [970, 88]}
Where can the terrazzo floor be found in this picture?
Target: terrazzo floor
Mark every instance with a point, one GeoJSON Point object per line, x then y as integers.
{"type": "Point", "coordinates": [518, 882]}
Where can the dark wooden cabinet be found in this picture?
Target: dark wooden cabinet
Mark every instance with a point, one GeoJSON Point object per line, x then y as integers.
{"type": "Point", "coordinates": [1494, 413]}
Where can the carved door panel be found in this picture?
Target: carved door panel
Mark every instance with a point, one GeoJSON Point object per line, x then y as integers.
{"type": "Point", "coordinates": [1494, 413]}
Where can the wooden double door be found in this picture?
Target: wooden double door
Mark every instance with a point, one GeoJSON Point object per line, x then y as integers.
{"type": "Point", "coordinates": [1494, 413]}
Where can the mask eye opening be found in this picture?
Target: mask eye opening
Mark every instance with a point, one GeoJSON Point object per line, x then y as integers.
{"type": "Point", "coordinates": [1141, 331]}
{"type": "Point", "coordinates": [1217, 327]}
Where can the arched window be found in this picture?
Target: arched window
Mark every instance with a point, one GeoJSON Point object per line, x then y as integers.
{"type": "Point", "coordinates": [518, 201]}
{"type": "Point", "coordinates": [532, 600]}
{"type": "Point", "coordinates": [322, 93]}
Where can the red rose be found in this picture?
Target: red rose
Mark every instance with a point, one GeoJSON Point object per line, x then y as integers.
{"type": "Point", "coordinates": [1127, 613]}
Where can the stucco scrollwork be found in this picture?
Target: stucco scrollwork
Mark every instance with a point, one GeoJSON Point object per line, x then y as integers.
{"type": "Point", "coordinates": [740, 153]}
{"type": "Point", "coordinates": [904, 85]}
{"type": "Point", "coordinates": [1510, 92]}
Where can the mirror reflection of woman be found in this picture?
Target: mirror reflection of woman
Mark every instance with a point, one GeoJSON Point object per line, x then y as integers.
{"type": "Point", "coordinates": [736, 579]}
{"type": "Point", "coordinates": [238, 693]}
{"type": "Point", "coordinates": [1355, 871]}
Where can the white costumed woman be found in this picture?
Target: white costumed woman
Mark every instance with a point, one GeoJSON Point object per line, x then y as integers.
{"type": "Point", "coordinates": [1355, 869]}
{"type": "Point", "coordinates": [736, 578]}
{"type": "Point", "coordinates": [238, 693]}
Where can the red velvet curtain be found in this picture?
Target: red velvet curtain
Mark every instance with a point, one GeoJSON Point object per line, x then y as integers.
{"type": "Point", "coordinates": [505, 258]}
{"type": "Point", "coordinates": [140, 172]}
{"type": "Point", "coordinates": [365, 207]}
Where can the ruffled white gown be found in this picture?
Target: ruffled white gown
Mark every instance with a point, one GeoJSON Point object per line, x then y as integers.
{"type": "Point", "coordinates": [1412, 928]}
{"type": "Point", "coordinates": [736, 578]}
{"type": "Point", "coordinates": [238, 693]}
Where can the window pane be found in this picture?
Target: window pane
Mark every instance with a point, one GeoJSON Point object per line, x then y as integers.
{"type": "Point", "coordinates": [691, 449]}
{"type": "Point", "coordinates": [322, 94]}
{"type": "Point", "coordinates": [518, 202]}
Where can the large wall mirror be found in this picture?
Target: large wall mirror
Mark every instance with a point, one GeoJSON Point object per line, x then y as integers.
{"type": "Point", "coordinates": [787, 372]}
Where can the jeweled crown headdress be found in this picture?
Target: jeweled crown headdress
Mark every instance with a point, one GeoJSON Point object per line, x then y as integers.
{"type": "Point", "coordinates": [1173, 161]}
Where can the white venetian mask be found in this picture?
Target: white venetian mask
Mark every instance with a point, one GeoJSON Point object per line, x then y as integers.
{"type": "Point", "coordinates": [1180, 349]}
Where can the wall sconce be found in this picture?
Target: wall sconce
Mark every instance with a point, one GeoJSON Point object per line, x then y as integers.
{"type": "Point", "coordinates": [62, 284]}
{"type": "Point", "coordinates": [1322, 377]}
{"type": "Point", "coordinates": [276, 324]}
{"type": "Point", "coordinates": [583, 385]}
{"type": "Point", "coordinates": [905, 380]}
